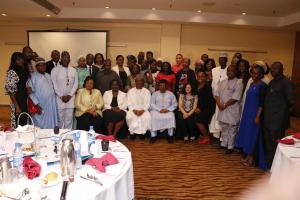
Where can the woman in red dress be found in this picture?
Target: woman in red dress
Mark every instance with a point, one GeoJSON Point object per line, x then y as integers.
{"type": "Point", "coordinates": [178, 66]}
{"type": "Point", "coordinates": [167, 74]}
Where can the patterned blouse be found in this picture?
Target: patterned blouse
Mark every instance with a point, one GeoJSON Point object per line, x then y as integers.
{"type": "Point", "coordinates": [11, 82]}
{"type": "Point", "coordinates": [12, 79]}
{"type": "Point", "coordinates": [188, 102]}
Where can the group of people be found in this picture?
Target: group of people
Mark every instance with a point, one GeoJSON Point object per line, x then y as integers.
{"type": "Point", "coordinates": [235, 104]}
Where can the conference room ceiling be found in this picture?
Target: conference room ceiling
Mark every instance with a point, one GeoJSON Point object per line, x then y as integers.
{"type": "Point", "coordinates": [269, 13]}
{"type": "Point", "coordinates": [251, 7]}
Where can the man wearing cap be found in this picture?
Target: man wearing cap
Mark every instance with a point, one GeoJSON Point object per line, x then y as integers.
{"type": "Point", "coordinates": [278, 101]}
{"type": "Point", "coordinates": [43, 96]}
{"type": "Point", "coordinates": [218, 75]}
{"type": "Point", "coordinates": [138, 117]}
{"type": "Point", "coordinates": [65, 81]}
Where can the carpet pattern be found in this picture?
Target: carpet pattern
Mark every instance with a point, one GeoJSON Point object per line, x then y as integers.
{"type": "Point", "coordinates": [188, 171]}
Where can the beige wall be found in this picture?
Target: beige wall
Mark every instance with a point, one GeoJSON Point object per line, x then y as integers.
{"type": "Point", "coordinates": [279, 45]}
{"type": "Point", "coordinates": [165, 40]}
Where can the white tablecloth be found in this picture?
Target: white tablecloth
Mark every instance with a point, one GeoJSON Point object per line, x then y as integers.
{"type": "Point", "coordinates": [118, 182]}
{"type": "Point", "coordinates": [286, 161]}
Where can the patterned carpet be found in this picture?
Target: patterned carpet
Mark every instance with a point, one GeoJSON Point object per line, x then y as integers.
{"type": "Point", "coordinates": [188, 171]}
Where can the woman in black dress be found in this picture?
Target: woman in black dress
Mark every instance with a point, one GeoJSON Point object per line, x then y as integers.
{"type": "Point", "coordinates": [115, 105]}
{"type": "Point", "coordinates": [15, 87]}
{"type": "Point", "coordinates": [206, 106]}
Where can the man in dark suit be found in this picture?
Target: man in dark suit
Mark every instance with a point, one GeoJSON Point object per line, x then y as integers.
{"type": "Point", "coordinates": [55, 56]}
{"type": "Point", "coordinates": [89, 65]}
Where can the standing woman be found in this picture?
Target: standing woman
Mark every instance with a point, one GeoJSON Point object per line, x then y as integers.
{"type": "Point", "coordinates": [82, 71]}
{"type": "Point", "coordinates": [88, 104]}
{"type": "Point", "coordinates": [15, 87]}
{"type": "Point", "coordinates": [250, 127]}
{"type": "Point", "coordinates": [121, 70]}
{"type": "Point", "coordinates": [99, 61]}
{"type": "Point", "coordinates": [115, 105]}
{"type": "Point", "coordinates": [178, 66]}
{"type": "Point", "coordinates": [206, 106]}
{"type": "Point", "coordinates": [135, 71]}
{"type": "Point", "coordinates": [168, 75]}
{"type": "Point", "coordinates": [187, 106]}
{"type": "Point", "coordinates": [209, 64]}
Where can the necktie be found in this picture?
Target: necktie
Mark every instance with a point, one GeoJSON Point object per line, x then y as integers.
{"type": "Point", "coordinates": [90, 69]}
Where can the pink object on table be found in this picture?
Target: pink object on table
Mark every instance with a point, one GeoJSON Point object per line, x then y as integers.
{"type": "Point", "coordinates": [101, 163]}
{"type": "Point", "coordinates": [106, 137]}
{"type": "Point", "coordinates": [31, 168]}
{"type": "Point", "coordinates": [297, 136]}
{"type": "Point", "coordinates": [286, 141]}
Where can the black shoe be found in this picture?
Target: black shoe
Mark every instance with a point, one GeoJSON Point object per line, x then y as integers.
{"type": "Point", "coordinates": [221, 147]}
{"type": "Point", "coordinates": [152, 140]}
{"type": "Point", "coordinates": [229, 151]}
{"type": "Point", "coordinates": [142, 137]}
{"type": "Point", "coordinates": [170, 139]}
{"type": "Point", "coordinates": [132, 137]}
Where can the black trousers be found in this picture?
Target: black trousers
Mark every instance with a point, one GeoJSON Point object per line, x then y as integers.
{"type": "Point", "coordinates": [86, 120]}
{"type": "Point", "coordinates": [186, 126]}
{"type": "Point", "coordinates": [270, 143]}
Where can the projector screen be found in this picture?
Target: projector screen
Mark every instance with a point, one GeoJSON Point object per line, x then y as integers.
{"type": "Point", "coordinates": [76, 43]}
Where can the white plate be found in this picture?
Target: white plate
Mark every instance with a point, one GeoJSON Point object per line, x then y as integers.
{"type": "Point", "coordinates": [28, 153]}
{"type": "Point", "coordinates": [51, 183]}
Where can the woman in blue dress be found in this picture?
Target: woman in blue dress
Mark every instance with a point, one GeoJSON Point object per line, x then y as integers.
{"type": "Point", "coordinates": [249, 137]}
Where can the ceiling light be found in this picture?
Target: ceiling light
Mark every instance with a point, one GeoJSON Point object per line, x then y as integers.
{"type": "Point", "coordinates": [106, 7]}
{"type": "Point", "coordinates": [3, 14]}
{"type": "Point", "coordinates": [199, 11]}
{"type": "Point", "coordinates": [48, 15]}
{"type": "Point", "coordinates": [243, 13]}
{"type": "Point", "coordinates": [153, 8]}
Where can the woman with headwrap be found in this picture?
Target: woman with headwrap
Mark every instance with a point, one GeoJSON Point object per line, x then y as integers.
{"type": "Point", "coordinates": [82, 71]}
{"type": "Point", "coordinates": [249, 135]}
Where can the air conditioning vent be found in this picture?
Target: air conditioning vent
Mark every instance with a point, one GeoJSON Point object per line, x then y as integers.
{"type": "Point", "coordinates": [48, 5]}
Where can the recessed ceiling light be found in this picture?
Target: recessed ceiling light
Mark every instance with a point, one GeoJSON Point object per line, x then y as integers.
{"type": "Point", "coordinates": [153, 8]}
{"type": "Point", "coordinates": [106, 7]}
{"type": "Point", "coordinates": [243, 13]}
{"type": "Point", "coordinates": [48, 15]}
{"type": "Point", "coordinates": [3, 14]}
{"type": "Point", "coordinates": [199, 11]}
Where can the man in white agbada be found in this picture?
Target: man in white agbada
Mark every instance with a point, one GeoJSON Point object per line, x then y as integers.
{"type": "Point", "coordinates": [163, 103]}
{"type": "Point", "coordinates": [218, 75]}
{"type": "Point", "coordinates": [138, 117]}
{"type": "Point", "coordinates": [65, 81]}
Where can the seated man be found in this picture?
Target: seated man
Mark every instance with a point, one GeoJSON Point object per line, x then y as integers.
{"type": "Point", "coordinates": [138, 117]}
{"type": "Point", "coordinates": [163, 103]}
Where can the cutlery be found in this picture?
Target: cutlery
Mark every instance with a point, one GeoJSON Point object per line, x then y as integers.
{"type": "Point", "coordinates": [85, 178]}
{"type": "Point", "coordinates": [94, 178]}
{"type": "Point", "coordinates": [64, 190]}
{"type": "Point", "coordinates": [24, 192]}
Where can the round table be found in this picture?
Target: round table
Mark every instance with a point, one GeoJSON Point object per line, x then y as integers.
{"type": "Point", "coordinates": [286, 161]}
{"type": "Point", "coordinates": [118, 182]}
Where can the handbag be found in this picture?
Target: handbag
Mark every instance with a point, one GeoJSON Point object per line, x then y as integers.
{"type": "Point", "coordinates": [31, 106]}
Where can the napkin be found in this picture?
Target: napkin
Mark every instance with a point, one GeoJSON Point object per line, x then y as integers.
{"type": "Point", "coordinates": [101, 163]}
{"type": "Point", "coordinates": [31, 168]}
{"type": "Point", "coordinates": [286, 141]}
{"type": "Point", "coordinates": [106, 137]}
{"type": "Point", "coordinates": [297, 136]}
